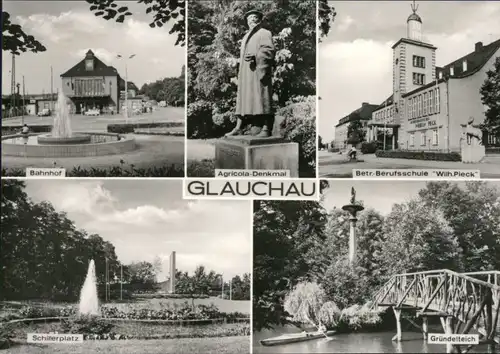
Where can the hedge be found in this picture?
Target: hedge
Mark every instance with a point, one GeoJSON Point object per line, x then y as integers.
{"type": "Point", "coordinates": [369, 148]}
{"type": "Point", "coordinates": [419, 155]}
{"type": "Point", "coordinates": [128, 128]}
{"type": "Point", "coordinates": [116, 171]}
{"type": "Point", "coordinates": [14, 129]}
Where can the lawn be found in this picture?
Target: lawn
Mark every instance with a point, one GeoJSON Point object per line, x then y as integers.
{"type": "Point", "coordinates": [192, 345]}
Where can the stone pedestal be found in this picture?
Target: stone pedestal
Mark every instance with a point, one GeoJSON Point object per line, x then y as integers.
{"type": "Point", "coordinates": [252, 153]}
{"type": "Point", "coordinates": [472, 153]}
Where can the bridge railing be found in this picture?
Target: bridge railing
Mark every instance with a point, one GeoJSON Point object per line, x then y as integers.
{"type": "Point", "coordinates": [472, 298]}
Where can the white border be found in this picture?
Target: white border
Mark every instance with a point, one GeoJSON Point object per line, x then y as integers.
{"type": "Point", "coordinates": [317, 89]}
{"type": "Point", "coordinates": [186, 43]}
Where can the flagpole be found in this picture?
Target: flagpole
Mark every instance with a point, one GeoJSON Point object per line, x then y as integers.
{"type": "Point", "coordinates": [121, 281]}
{"type": "Point", "coordinates": [437, 114]}
{"type": "Point", "coordinates": [385, 122]}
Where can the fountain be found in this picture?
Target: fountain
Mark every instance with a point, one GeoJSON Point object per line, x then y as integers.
{"type": "Point", "coordinates": [61, 130]}
{"type": "Point", "coordinates": [64, 142]}
{"type": "Point", "coordinates": [89, 302]}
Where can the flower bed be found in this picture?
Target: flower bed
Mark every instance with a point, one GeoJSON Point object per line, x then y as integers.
{"type": "Point", "coordinates": [178, 313]}
{"type": "Point", "coordinates": [420, 155]}
{"type": "Point", "coordinates": [171, 296]}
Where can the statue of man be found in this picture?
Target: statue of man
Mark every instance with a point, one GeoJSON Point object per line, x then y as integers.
{"type": "Point", "coordinates": [353, 195]}
{"type": "Point", "coordinates": [254, 98]}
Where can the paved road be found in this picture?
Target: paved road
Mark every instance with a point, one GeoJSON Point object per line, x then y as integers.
{"type": "Point", "coordinates": [99, 123]}
{"type": "Point", "coordinates": [335, 165]}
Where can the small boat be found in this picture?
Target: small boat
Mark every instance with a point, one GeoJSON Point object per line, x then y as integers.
{"type": "Point", "coordinates": [294, 338]}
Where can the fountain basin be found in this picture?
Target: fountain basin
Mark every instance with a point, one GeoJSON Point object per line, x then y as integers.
{"type": "Point", "coordinates": [74, 139]}
{"type": "Point", "coordinates": [99, 144]}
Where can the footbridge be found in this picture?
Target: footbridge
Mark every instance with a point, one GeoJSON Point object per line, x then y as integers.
{"type": "Point", "coordinates": [464, 302]}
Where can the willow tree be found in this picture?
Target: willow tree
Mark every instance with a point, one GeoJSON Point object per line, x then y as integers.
{"type": "Point", "coordinates": [304, 303]}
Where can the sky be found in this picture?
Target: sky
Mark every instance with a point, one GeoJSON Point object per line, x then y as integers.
{"type": "Point", "coordinates": [355, 60]}
{"type": "Point", "coordinates": [68, 30]}
{"type": "Point", "coordinates": [148, 218]}
{"type": "Point", "coordinates": [378, 195]}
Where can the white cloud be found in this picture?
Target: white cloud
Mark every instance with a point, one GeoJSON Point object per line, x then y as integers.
{"type": "Point", "coordinates": [345, 22]}
{"type": "Point", "coordinates": [64, 26]}
{"type": "Point", "coordinates": [144, 215]}
{"type": "Point", "coordinates": [86, 197]}
{"type": "Point", "coordinates": [143, 35]}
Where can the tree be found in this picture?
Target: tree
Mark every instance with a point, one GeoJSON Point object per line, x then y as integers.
{"type": "Point", "coordinates": [43, 254]}
{"type": "Point", "coordinates": [142, 275]}
{"type": "Point", "coordinates": [304, 303]}
{"type": "Point", "coordinates": [473, 213]}
{"type": "Point", "coordinates": [215, 29]}
{"type": "Point", "coordinates": [355, 131]}
{"type": "Point", "coordinates": [161, 10]}
{"type": "Point", "coordinates": [490, 96]}
{"type": "Point", "coordinates": [326, 15]}
{"type": "Point", "coordinates": [417, 238]}
{"type": "Point", "coordinates": [15, 40]}
{"type": "Point", "coordinates": [283, 234]}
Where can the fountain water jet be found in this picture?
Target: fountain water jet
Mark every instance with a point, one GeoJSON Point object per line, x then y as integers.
{"type": "Point", "coordinates": [62, 123]}
{"type": "Point", "coordinates": [89, 302]}
{"type": "Point", "coordinates": [61, 130]}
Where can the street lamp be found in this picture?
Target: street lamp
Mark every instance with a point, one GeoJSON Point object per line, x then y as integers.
{"type": "Point", "coordinates": [126, 83]}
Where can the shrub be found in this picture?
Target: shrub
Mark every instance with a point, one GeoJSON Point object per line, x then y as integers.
{"type": "Point", "coordinates": [356, 317]}
{"type": "Point", "coordinates": [200, 124]}
{"type": "Point", "coordinates": [369, 148]}
{"type": "Point", "coordinates": [203, 168]}
{"type": "Point", "coordinates": [420, 155]}
{"type": "Point", "coordinates": [128, 128]}
{"type": "Point", "coordinates": [7, 334]}
{"type": "Point", "coordinates": [299, 125]}
{"type": "Point", "coordinates": [86, 325]}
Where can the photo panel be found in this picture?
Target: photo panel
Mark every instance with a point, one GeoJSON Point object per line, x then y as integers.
{"type": "Point", "coordinates": [251, 89]}
{"type": "Point", "coordinates": [93, 89]}
{"type": "Point", "coordinates": [378, 266]}
{"type": "Point", "coordinates": [118, 265]}
{"type": "Point", "coordinates": [400, 90]}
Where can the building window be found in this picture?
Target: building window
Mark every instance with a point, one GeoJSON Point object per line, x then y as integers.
{"type": "Point", "coordinates": [431, 102]}
{"type": "Point", "coordinates": [422, 138]}
{"type": "Point", "coordinates": [492, 140]}
{"type": "Point", "coordinates": [425, 103]}
{"type": "Point", "coordinates": [89, 65]}
{"type": "Point", "coordinates": [410, 109]}
{"type": "Point", "coordinates": [435, 137]}
{"type": "Point", "coordinates": [415, 104]}
{"type": "Point", "coordinates": [412, 139]}
{"type": "Point", "coordinates": [419, 109]}
{"type": "Point", "coordinates": [418, 79]}
{"type": "Point", "coordinates": [418, 62]}
{"type": "Point", "coordinates": [438, 98]}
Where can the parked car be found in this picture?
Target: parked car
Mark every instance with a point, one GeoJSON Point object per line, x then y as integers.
{"type": "Point", "coordinates": [92, 112]}
{"type": "Point", "coordinates": [44, 112]}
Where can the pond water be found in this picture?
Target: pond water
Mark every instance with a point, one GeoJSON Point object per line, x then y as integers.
{"type": "Point", "coordinates": [379, 342]}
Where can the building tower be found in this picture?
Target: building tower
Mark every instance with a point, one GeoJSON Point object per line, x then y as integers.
{"type": "Point", "coordinates": [414, 25]}
{"type": "Point", "coordinates": [172, 273]}
{"type": "Point", "coordinates": [414, 62]}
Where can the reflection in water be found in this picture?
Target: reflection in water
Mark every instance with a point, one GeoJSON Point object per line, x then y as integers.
{"type": "Point", "coordinates": [380, 342]}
